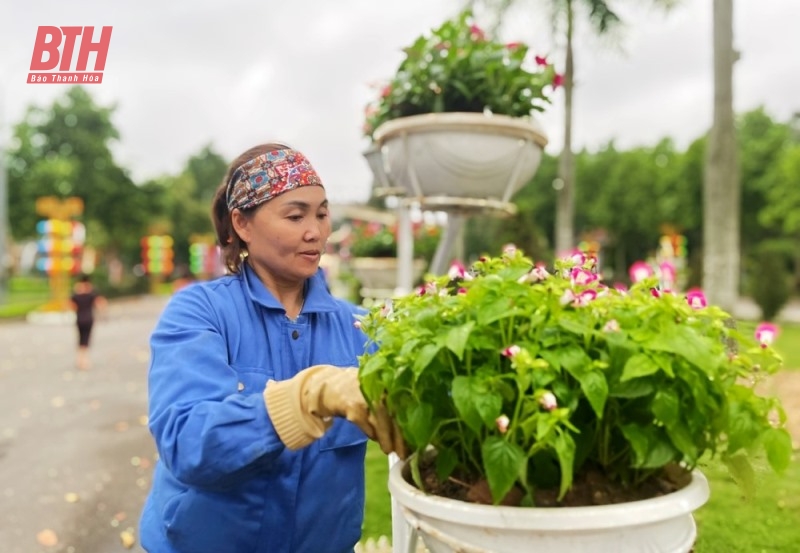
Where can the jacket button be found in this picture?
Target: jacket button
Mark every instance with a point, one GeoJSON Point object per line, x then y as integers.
{"type": "Point", "coordinates": [295, 334]}
{"type": "Point", "coordinates": [241, 386]}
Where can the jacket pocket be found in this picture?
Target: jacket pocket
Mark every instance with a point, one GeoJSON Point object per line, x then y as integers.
{"type": "Point", "coordinates": [343, 433]}
{"type": "Point", "coordinates": [203, 522]}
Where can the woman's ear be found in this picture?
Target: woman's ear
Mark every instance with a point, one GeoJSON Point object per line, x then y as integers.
{"type": "Point", "coordinates": [241, 225]}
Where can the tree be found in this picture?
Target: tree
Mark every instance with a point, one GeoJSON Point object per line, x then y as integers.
{"type": "Point", "coordinates": [602, 19]}
{"type": "Point", "coordinates": [65, 150]}
{"type": "Point", "coordinates": [721, 191]}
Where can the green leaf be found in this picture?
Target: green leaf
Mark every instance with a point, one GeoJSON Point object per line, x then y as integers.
{"type": "Point", "coordinates": [477, 404]}
{"type": "Point", "coordinates": [565, 449]}
{"type": "Point", "coordinates": [502, 462]}
{"type": "Point", "coordinates": [457, 338]}
{"type": "Point", "coordinates": [426, 355]}
{"type": "Point", "coordinates": [595, 388]}
{"type": "Point", "coordinates": [639, 387]}
{"type": "Point", "coordinates": [420, 425]}
{"type": "Point", "coordinates": [685, 342]}
{"type": "Point", "coordinates": [652, 448]}
{"type": "Point", "coordinates": [446, 462]}
{"type": "Point", "coordinates": [778, 445]}
{"type": "Point", "coordinates": [639, 365]}
{"type": "Point", "coordinates": [742, 472]}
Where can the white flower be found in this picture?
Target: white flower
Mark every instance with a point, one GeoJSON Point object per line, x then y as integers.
{"type": "Point", "coordinates": [502, 423]}
{"type": "Point", "coordinates": [548, 401]}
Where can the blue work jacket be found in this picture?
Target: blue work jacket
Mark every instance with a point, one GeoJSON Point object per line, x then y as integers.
{"type": "Point", "coordinates": [224, 482]}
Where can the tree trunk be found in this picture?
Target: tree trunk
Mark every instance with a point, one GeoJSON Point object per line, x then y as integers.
{"type": "Point", "coordinates": [721, 191]}
{"type": "Point", "coordinates": [565, 202]}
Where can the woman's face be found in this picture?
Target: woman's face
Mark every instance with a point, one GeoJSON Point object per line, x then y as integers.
{"type": "Point", "coordinates": [286, 236]}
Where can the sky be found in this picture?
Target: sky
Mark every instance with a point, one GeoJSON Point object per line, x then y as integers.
{"type": "Point", "coordinates": [186, 74]}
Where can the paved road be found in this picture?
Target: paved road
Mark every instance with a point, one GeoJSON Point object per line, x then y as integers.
{"type": "Point", "coordinates": [75, 455]}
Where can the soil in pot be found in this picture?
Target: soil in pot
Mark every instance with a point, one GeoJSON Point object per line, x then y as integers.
{"type": "Point", "coordinates": [590, 487]}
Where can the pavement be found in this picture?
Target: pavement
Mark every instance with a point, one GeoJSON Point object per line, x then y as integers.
{"type": "Point", "coordinates": [76, 457]}
{"type": "Point", "coordinates": [747, 309]}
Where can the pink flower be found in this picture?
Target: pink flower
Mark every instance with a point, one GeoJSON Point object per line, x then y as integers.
{"type": "Point", "coordinates": [640, 271]}
{"type": "Point", "coordinates": [585, 298]}
{"type": "Point", "coordinates": [511, 351]}
{"type": "Point", "coordinates": [502, 423]}
{"type": "Point", "coordinates": [548, 401]}
{"type": "Point", "coordinates": [387, 309]}
{"type": "Point", "coordinates": [577, 257]}
{"type": "Point", "coordinates": [462, 290]}
{"type": "Point", "coordinates": [696, 298]}
{"type": "Point", "coordinates": [509, 249]}
{"type": "Point", "coordinates": [611, 326]}
{"type": "Point", "coordinates": [766, 334]}
{"type": "Point", "coordinates": [513, 45]}
{"type": "Point", "coordinates": [567, 298]}
{"type": "Point", "coordinates": [457, 270]}
{"type": "Point", "coordinates": [558, 80]}
{"type": "Point", "coordinates": [537, 274]}
{"type": "Point", "coordinates": [621, 288]}
{"type": "Point", "coordinates": [582, 277]}
{"type": "Point", "coordinates": [357, 325]}
{"type": "Point", "coordinates": [476, 32]}
{"type": "Point", "coordinates": [540, 60]}
{"type": "Point", "coordinates": [655, 292]}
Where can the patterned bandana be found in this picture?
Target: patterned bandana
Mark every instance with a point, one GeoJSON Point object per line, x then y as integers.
{"type": "Point", "coordinates": [268, 175]}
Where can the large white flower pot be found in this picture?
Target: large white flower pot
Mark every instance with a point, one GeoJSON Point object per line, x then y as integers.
{"type": "Point", "coordinates": [378, 275]}
{"type": "Point", "coordinates": [659, 525]}
{"type": "Point", "coordinates": [438, 158]}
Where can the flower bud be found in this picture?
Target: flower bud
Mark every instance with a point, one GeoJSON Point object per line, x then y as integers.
{"type": "Point", "coordinates": [548, 401]}
{"type": "Point", "coordinates": [502, 423]}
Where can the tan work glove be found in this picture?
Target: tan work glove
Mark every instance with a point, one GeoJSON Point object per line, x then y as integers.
{"type": "Point", "coordinates": [301, 408]}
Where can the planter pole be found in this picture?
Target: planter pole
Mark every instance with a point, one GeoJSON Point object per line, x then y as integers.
{"type": "Point", "coordinates": [405, 250]}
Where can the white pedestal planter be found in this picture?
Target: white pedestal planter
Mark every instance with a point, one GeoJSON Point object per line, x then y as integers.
{"type": "Point", "coordinates": [466, 160]}
{"type": "Point", "coordinates": [378, 275]}
{"type": "Point", "coordinates": [659, 525]}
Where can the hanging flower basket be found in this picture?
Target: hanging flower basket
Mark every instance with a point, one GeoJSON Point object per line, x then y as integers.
{"type": "Point", "coordinates": [461, 159]}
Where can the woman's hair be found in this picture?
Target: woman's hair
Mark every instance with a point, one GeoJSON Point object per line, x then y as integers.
{"type": "Point", "coordinates": [232, 247]}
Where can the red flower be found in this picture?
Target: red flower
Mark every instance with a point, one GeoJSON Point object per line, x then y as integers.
{"type": "Point", "coordinates": [558, 80]}
{"type": "Point", "coordinates": [540, 60]}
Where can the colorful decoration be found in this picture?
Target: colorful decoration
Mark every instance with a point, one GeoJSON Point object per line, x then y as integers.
{"type": "Point", "coordinates": [157, 254]}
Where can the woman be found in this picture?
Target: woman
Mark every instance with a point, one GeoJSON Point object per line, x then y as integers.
{"type": "Point", "coordinates": [255, 405]}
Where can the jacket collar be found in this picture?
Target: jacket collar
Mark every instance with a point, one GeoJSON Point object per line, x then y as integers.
{"type": "Point", "coordinates": [318, 297]}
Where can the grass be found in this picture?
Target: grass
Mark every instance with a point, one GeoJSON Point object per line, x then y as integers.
{"type": "Point", "coordinates": [769, 522]}
{"type": "Point", "coordinates": [23, 296]}
{"type": "Point", "coordinates": [378, 508]}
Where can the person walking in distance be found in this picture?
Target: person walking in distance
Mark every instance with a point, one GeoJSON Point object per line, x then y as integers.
{"type": "Point", "coordinates": [85, 300]}
{"type": "Point", "coordinates": [254, 400]}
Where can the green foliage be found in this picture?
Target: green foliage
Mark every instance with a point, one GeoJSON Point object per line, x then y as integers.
{"type": "Point", "coordinates": [508, 369]}
{"type": "Point", "coordinates": [769, 281]}
{"type": "Point", "coordinates": [378, 240]}
{"type": "Point", "coordinates": [458, 68]}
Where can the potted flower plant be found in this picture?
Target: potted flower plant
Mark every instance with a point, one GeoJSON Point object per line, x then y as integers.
{"type": "Point", "coordinates": [372, 253]}
{"type": "Point", "coordinates": [456, 118]}
{"type": "Point", "coordinates": [551, 409]}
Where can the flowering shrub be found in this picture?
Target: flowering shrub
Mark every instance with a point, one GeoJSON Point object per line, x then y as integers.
{"type": "Point", "coordinates": [525, 378]}
{"type": "Point", "coordinates": [378, 240]}
{"type": "Point", "coordinates": [457, 67]}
